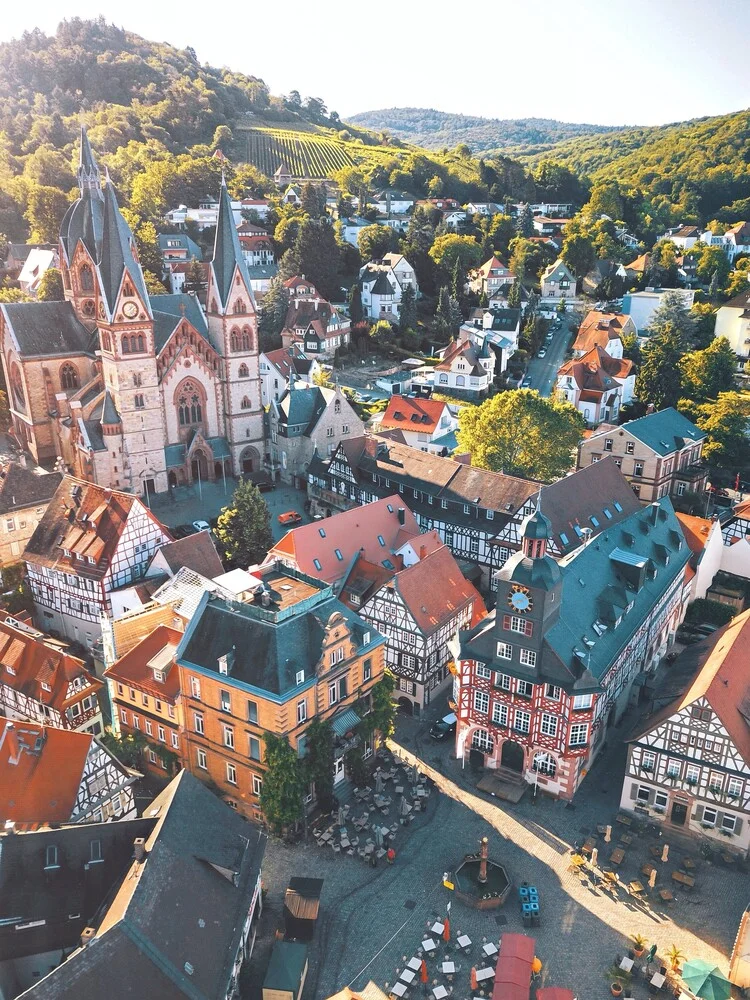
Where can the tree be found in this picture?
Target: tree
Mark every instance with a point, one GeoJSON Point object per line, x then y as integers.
{"type": "Point", "coordinates": [659, 379]}
{"type": "Point", "coordinates": [195, 278]}
{"type": "Point", "coordinates": [375, 241]}
{"type": "Point", "coordinates": [316, 254]}
{"type": "Point", "coordinates": [709, 372]}
{"type": "Point", "coordinates": [631, 348]}
{"type": "Point", "coordinates": [223, 138]}
{"type": "Point", "coordinates": [51, 286]}
{"type": "Point", "coordinates": [458, 281]}
{"type": "Point", "coordinates": [725, 422]}
{"type": "Point", "coordinates": [45, 209]}
{"type": "Point", "coordinates": [244, 528]}
{"type": "Point", "coordinates": [713, 260]}
{"type": "Point", "coordinates": [704, 324]}
{"type": "Point", "coordinates": [408, 313]}
{"type": "Point", "coordinates": [382, 333]}
{"type": "Point", "coordinates": [514, 295]}
{"type": "Point", "coordinates": [522, 434]}
{"type": "Point", "coordinates": [605, 200]}
{"type": "Point", "coordinates": [497, 232]}
{"type": "Point", "coordinates": [447, 249]}
{"type": "Point", "coordinates": [355, 304]}
{"type": "Point", "coordinates": [674, 315]}
{"type": "Point", "coordinates": [126, 748]}
{"type": "Point", "coordinates": [310, 201]}
{"type": "Point", "coordinates": [380, 718]}
{"type": "Point", "coordinates": [8, 294]}
{"type": "Point", "coordinates": [318, 761]}
{"type": "Point", "coordinates": [154, 285]}
{"type": "Point", "coordinates": [525, 222]}
{"type": "Point", "coordinates": [283, 784]}
{"type": "Point", "coordinates": [578, 254]}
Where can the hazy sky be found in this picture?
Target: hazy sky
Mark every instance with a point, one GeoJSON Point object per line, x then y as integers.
{"type": "Point", "coordinates": [640, 62]}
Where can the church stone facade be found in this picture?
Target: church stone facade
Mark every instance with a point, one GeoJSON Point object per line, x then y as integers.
{"type": "Point", "coordinates": [135, 391]}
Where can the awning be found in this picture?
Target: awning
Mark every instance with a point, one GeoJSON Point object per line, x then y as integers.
{"type": "Point", "coordinates": [345, 721]}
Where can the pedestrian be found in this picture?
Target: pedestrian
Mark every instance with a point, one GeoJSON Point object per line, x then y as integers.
{"type": "Point", "coordinates": [373, 860]}
{"type": "Point", "coordinates": [391, 855]}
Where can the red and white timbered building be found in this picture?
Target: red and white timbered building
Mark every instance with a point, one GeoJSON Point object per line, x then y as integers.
{"type": "Point", "coordinates": [689, 764]}
{"type": "Point", "coordinates": [90, 542]}
{"type": "Point", "coordinates": [544, 675]}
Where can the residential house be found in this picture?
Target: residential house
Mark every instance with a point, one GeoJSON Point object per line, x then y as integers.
{"type": "Point", "coordinates": [544, 676]}
{"type": "Point", "coordinates": [291, 653]}
{"type": "Point", "coordinates": [195, 552]}
{"type": "Point", "coordinates": [259, 206]}
{"type": "Point", "coordinates": [18, 254]}
{"type": "Point", "coordinates": [52, 775]}
{"type": "Point", "coordinates": [351, 228]}
{"type": "Point", "coordinates": [178, 272]}
{"type": "Point", "coordinates": [24, 495]}
{"type": "Point", "coordinates": [603, 329]}
{"type": "Point", "coordinates": [420, 610]}
{"type": "Point", "coordinates": [292, 195]}
{"type": "Point", "coordinates": [191, 855]}
{"type": "Point", "coordinates": [89, 542]}
{"type": "Point", "coordinates": [382, 283]}
{"type": "Point", "coordinates": [549, 227]}
{"type": "Point", "coordinates": [638, 267]}
{"type": "Point", "coordinates": [42, 683]}
{"type": "Point", "coordinates": [34, 268]}
{"type": "Point", "coordinates": [178, 247]}
{"type": "Point", "coordinates": [735, 558]}
{"type": "Point", "coordinates": [454, 219]}
{"type": "Point", "coordinates": [627, 239]}
{"type": "Point", "coordinates": [390, 202]}
{"type": "Point", "coordinates": [602, 270]}
{"type": "Point", "coordinates": [733, 322]}
{"type": "Point", "coordinates": [304, 422]}
{"type": "Point", "coordinates": [491, 279]}
{"type": "Point", "coordinates": [260, 277]}
{"type": "Point", "coordinates": [496, 328]}
{"type": "Point", "coordinates": [311, 321]}
{"type": "Point", "coordinates": [684, 237]}
{"type": "Point", "coordinates": [596, 384]}
{"type": "Point", "coordinates": [483, 208]}
{"type": "Point", "coordinates": [660, 454]}
{"type": "Point", "coordinates": [205, 216]}
{"type": "Point", "coordinates": [246, 228]}
{"type": "Point", "coordinates": [278, 367]}
{"type": "Point", "coordinates": [738, 239]}
{"type": "Point", "coordinates": [688, 766]}
{"type": "Point", "coordinates": [641, 306]}
{"type": "Point", "coordinates": [257, 250]}
{"type": "Point", "coordinates": [704, 538]}
{"type": "Point", "coordinates": [556, 209]}
{"type": "Point", "coordinates": [282, 176]}
{"type": "Point", "coordinates": [558, 281]}
{"type": "Point", "coordinates": [467, 369]}
{"type": "Point", "coordinates": [426, 424]}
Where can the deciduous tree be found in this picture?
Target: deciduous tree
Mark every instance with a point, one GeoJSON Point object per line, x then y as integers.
{"type": "Point", "coordinates": [725, 421]}
{"type": "Point", "coordinates": [51, 286]}
{"type": "Point", "coordinates": [244, 528]}
{"type": "Point", "coordinates": [522, 434]}
{"type": "Point", "coordinates": [375, 242]}
{"type": "Point", "coordinates": [318, 761]}
{"type": "Point", "coordinates": [449, 248]}
{"type": "Point", "coordinates": [408, 313]}
{"type": "Point", "coordinates": [709, 372]}
{"type": "Point", "coordinates": [659, 379]}
{"type": "Point", "coordinates": [579, 255]}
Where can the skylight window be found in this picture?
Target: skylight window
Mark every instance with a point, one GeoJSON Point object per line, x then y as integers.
{"type": "Point", "coordinates": [339, 556]}
{"type": "Point", "coordinates": [594, 521]}
{"type": "Point", "coordinates": [607, 513]}
{"type": "Point", "coordinates": [564, 538]}
{"type": "Point", "coordinates": [388, 564]}
{"type": "Point", "coordinates": [577, 530]}
{"type": "Point", "coordinates": [322, 532]}
{"type": "Point", "coordinates": [389, 505]}
{"type": "Point", "coordinates": [618, 507]}
{"type": "Point", "coordinates": [316, 564]}
{"type": "Point", "coordinates": [381, 540]}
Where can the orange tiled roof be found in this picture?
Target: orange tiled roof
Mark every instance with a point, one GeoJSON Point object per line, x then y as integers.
{"type": "Point", "coordinates": [413, 414]}
{"type": "Point", "coordinates": [133, 668]}
{"type": "Point", "coordinates": [638, 265]}
{"type": "Point", "coordinates": [596, 370]}
{"type": "Point", "coordinates": [695, 529]}
{"type": "Point", "coordinates": [435, 589]}
{"type": "Point", "coordinates": [598, 328]}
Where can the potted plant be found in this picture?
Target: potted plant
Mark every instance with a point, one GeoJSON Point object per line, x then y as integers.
{"type": "Point", "coordinates": [715, 789]}
{"type": "Point", "coordinates": [639, 945]}
{"type": "Point", "coordinates": [618, 979]}
{"type": "Point", "coordinates": [675, 956]}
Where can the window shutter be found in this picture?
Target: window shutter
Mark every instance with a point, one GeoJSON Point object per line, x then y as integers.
{"type": "Point", "coordinates": [506, 622]}
{"type": "Point", "coordinates": [698, 814]}
{"type": "Point", "coordinates": [738, 825]}
{"type": "Point", "coordinates": [529, 628]}
{"type": "Point", "coordinates": [719, 819]}
{"type": "Point", "coordinates": [633, 789]}
{"type": "Point", "coordinates": [651, 796]}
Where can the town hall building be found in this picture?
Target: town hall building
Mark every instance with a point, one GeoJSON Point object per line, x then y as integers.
{"type": "Point", "coordinates": [135, 391]}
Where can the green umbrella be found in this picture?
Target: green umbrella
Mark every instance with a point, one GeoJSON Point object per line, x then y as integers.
{"type": "Point", "coordinates": [706, 980]}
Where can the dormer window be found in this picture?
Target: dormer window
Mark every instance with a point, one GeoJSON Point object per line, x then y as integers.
{"type": "Point", "coordinates": [159, 676]}
{"type": "Point", "coordinates": [11, 671]}
{"type": "Point", "coordinates": [46, 687]}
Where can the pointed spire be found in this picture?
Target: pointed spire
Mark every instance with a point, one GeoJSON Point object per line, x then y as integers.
{"type": "Point", "coordinates": [88, 169]}
{"type": "Point", "coordinates": [117, 257]}
{"type": "Point", "coordinates": [227, 250]}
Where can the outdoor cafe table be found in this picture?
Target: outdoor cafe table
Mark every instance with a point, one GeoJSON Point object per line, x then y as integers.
{"type": "Point", "coordinates": [489, 949]}
{"type": "Point", "coordinates": [408, 975]}
{"type": "Point", "coordinates": [428, 945]}
{"type": "Point", "coordinates": [414, 963]}
{"type": "Point", "coordinates": [483, 974]}
{"type": "Point", "coordinates": [437, 928]}
{"type": "Point", "coordinates": [464, 941]}
{"type": "Point", "coordinates": [448, 968]}
{"type": "Point", "coordinates": [635, 887]}
{"type": "Point", "coordinates": [440, 992]}
{"type": "Point", "coordinates": [658, 980]}
{"type": "Point", "coordinates": [617, 856]}
{"type": "Point", "coordinates": [626, 964]}
{"type": "Point", "coordinates": [398, 989]}
{"type": "Point", "coordinates": [589, 846]}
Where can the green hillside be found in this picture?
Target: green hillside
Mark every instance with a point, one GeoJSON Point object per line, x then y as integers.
{"type": "Point", "coordinates": [314, 154]}
{"type": "Point", "coordinates": [437, 129]}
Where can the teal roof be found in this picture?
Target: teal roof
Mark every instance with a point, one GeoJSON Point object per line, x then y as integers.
{"type": "Point", "coordinates": [174, 455]}
{"type": "Point", "coordinates": [183, 241]}
{"type": "Point", "coordinates": [168, 310]}
{"type": "Point", "coordinates": [287, 965]}
{"type": "Point", "coordinates": [302, 408]}
{"type": "Point", "coordinates": [219, 446]}
{"type": "Point", "coordinates": [117, 258]}
{"type": "Point", "coordinates": [227, 251]}
{"type": "Point", "coordinates": [665, 431]}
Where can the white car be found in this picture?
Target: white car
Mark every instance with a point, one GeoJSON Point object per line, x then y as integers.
{"type": "Point", "coordinates": [201, 525]}
{"type": "Point", "coordinates": [542, 353]}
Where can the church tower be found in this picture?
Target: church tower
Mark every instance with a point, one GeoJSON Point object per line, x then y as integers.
{"type": "Point", "coordinates": [233, 329]}
{"type": "Point", "coordinates": [128, 353]}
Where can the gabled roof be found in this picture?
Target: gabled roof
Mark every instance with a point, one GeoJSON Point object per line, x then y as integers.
{"type": "Point", "coordinates": [558, 269]}
{"type": "Point", "coordinates": [467, 350]}
{"type": "Point", "coordinates": [133, 666]}
{"type": "Point", "coordinates": [227, 250]}
{"type": "Point", "coordinates": [723, 680]}
{"type": "Point", "coordinates": [353, 533]}
{"type": "Point", "coordinates": [493, 264]}
{"type": "Point", "coordinates": [48, 329]}
{"type": "Point", "coordinates": [196, 552]}
{"type": "Point", "coordinates": [20, 487]}
{"type": "Point", "coordinates": [695, 529]}
{"type": "Point", "coordinates": [117, 254]}
{"type": "Point", "coordinates": [304, 407]}
{"type": "Point", "coordinates": [184, 241]}
{"type": "Point", "coordinates": [422, 415]}
{"type": "Point", "coordinates": [598, 328]}
{"type": "Point", "coordinates": [170, 310]}
{"type": "Point", "coordinates": [741, 301]}
{"type": "Point", "coordinates": [289, 359]}
{"type": "Point", "coordinates": [665, 431]}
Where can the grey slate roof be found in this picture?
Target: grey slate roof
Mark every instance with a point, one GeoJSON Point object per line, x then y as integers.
{"type": "Point", "coordinates": [21, 488]}
{"type": "Point", "coordinates": [382, 285]}
{"type": "Point", "coordinates": [505, 320]}
{"type": "Point", "coordinates": [302, 408]}
{"type": "Point", "coordinates": [227, 250]}
{"type": "Point", "coordinates": [117, 258]}
{"type": "Point", "coordinates": [47, 329]}
{"type": "Point", "coordinates": [184, 241]}
{"type": "Point", "coordinates": [197, 552]}
{"type": "Point", "coordinates": [167, 313]}
{"type": "Point", "coordinates": [665, 431]}
{"type": "Point", "coordinates": [84, 221]}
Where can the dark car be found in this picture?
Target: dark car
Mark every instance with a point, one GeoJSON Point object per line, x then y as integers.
{"type": "Point", "coordinates": [183, 530]}
{"type": "Point", "coordinates": [443, 727]}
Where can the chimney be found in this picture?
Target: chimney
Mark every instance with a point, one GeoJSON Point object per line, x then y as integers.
{"type": "Point", "coordinates": [422, 552]}
{"type": "Point", "coordinates": [265, 599]}
{"type": "Point", "coordinates": [14, 747]}
{"type": "Point", "coordinates": [650, 408]}
{"type": "Point", "coordinates": [401, 515]}
{"type": "Point", "coordinates": [139, 848]}
{"type": "Point", "coordinates": [87, 935]}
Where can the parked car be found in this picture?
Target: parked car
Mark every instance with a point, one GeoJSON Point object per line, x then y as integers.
{"type": "Point", "coordinates": [443, 727]}
{"type": "Point", "coordinates": [526, 382]}
{"type": "Point", "coordinates": [182, 531]}
{"type": "Point", "coordinates": [289, 517]}
{"type": "Point", "coordinates": [542, 353]}
{"type": "Point", "coordinates": [201, 525]}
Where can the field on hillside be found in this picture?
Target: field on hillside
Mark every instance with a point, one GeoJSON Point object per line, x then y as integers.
{"type": "Point", "coordinates": [307, 154]}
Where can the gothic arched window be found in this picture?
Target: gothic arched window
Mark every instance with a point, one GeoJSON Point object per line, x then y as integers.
{"type": "Point", "coordinates": [88, 308]}
{"type": "Point", "coordinates": [239, 306]}
{"type": "Point", "coordinates": [246, 404]}
{"type": "Point", "coordinates": [244, 372]}
{"type": "Point", "coordinates": [337, 406]}
{"type": "Point", "coordinates": [106, 341]}
{"type": "Point", "coordinates": [69, 377]}
{"type": "Point", "coordinates": [86, 278]}
{"type": "Point", "coordinates": [16, 384]}
{"type": "Point", "coordinates": [234, 341]}
{"type": "Point", "coordinates": [126, 345]}
{"type": "Point", "coordinates": [140, 342]}
{"type": "Point", "coordinates": [247, 339]}
{"type": "Point", "coordinates": [191, 403]}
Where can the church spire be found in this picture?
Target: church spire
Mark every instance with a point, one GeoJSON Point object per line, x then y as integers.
{"type": "Point", "coordinates": [118, 257]}
{"type": "Point", "coordinates": [88, 169]}
{"type": "Point", "coordinates": [227, 251]}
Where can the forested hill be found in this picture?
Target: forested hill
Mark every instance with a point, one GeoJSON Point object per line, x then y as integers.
{"type": "Point", "coordinates": [435, 129]}
{"type": "Point", "coordinates": [702, 165]}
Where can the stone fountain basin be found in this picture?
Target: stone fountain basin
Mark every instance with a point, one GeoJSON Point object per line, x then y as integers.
{"type": "Point", "coordinates": [481, 896]}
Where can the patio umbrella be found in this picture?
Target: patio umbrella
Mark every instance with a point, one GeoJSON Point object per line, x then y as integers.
{"type": "Point", "coordinates": [652, 879]}
{"type": "Point", "coordinates": [378, 836]}
{"type": "Point", "coordinates": [404, 808]}
{"type": "Point", "coordinates": [447, 930]}
{"type": "Point", "coordinates": [608, 834]}
{"type": "Point", "coordinates": [706, 980]}
{"type": "Point", "coordinates": [474, 980]}
{"type": "Point", "coordinates": [594, 857]}
{"type": "Point", "coordinates": [665, 854]}
{"type": "Point", "coordinates": [423, 972]}
{"type": "Point", "coordinates": [413, 774]}
{"type": "Point", "coordinates": [379, 783]}
{"type": "Point", "coordinates": [342, 818]}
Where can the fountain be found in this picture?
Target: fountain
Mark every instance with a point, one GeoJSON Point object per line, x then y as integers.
{"type": "Point", "coordinates": [481, 882]}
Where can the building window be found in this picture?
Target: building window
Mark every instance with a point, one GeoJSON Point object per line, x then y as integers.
{"type": "Point", "coordinates": [544, 763]}
{"type": "Point", "coordinates": [198, 723]}
{"type": "Point", "coordinates": [525, 689]}
{"type": "Point", "coordinates": [161, 734]}
{"type": "Point", "coordinates": [252, 711]}
{"type": "Point", "coordinates": [231, 774]}
{"type": "Point", "coordinates": [709, 817]}
{"type": "Point", "coordinates": [152, 756]}
{"type": "Point", "coordinates": [338, 554]}
{"type": "Point", "coordinates": [190, 400]}
{"type": "Point", "coordinates": [648, 760]}
{"type": "Point", "coordinates": [139, 403]}
{"type": "Point", "coordinates": [643, 793]}
{"type": "Point", "coordinates": [549, 724]}
{"type": "Point", "coordinates": [728, 823]}
{"type": "Point", "coordinates": [302, 710]}
{"type": "Point", "coordinates": [552, 691]}
{"type": "Point", "coordinates": [226, 701]}
{"type": "Point", "coordinates": [638, 469]}
{"type": "Point", "coordinates": [95, 851]}
{"type": "Point", "coordinates": [123, 716]}
{"type": "Point", "coordinates": [504, 652]}
{"type": "Point", "coordinates": [629, 447]}
{"type": "Point", "coordinates": [228, 737]}
{"type": "Point", "coordinates": [136, 721]}
{"type": "Point", "coordinates": [50, 857]}
{"type": "Point", "coordinates": [522, 721]}
{"type": "Point", "coordinates": [517, 624]}
{"type": "Point", "coordinates": [149, 727]}
{"type": "Point", "coordinates": [257, 784]}
{"type": "Point", "coordinates": [528, 657]}
{"type": "Point", "coordinates": [582, 701]}
{"type": "Point", "coordinates": [337, 655]}
{"type": "Point", "coordinates": [503, 681]}
{"type": "Point", "coordinates": [254, 748]}
{"type": "Point", "coordinates": [500, 714]}
{"type": "Point", "coordinates": [367, 670]}
{"type": "Point", "coordinates": [408, 661]}
{"type": "Point", "coordinates": [661, 799]}
{"type": "Point", "coordinates": [735, 787]}
{"type": "Point", "coordinates": [481, 740]}
{"type": "Point", "coordinates": [333, 693]}
{"type": "Point", "coordinates": [195, 687]}
{"type": "Point", "coordinates": [579, 734]}
{"type": "Point", "coordinates": [69, 377]}
{"type": "Point", "coordinates": [483, 671]}
{"type": "Point", "coordinates": [608, 444]}
{"type": "Point", "coordinates": [481, 702]}
{"type": "Point", "coordinates": [175, 741]}
{"type": "Point", "coordinates": [692, 774]}
{"type": "Point", "coordinates": [202, 759]}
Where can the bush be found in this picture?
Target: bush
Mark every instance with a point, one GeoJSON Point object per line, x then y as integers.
{"type": "Point", "coordinates": [710, 612]}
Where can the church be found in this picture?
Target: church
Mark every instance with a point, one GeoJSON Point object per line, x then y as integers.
{"type": "Point", "coordinates": [135, 391]}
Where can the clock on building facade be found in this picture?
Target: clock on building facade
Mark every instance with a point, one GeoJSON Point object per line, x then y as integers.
{"type": "Point", "coordinates": [520, 599]}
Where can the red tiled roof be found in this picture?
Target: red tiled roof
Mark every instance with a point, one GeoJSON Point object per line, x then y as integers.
{"type": "Point", "coordinates": [40, 787]}
{"type": "Point", "coordinates": [639, 264]}
{"type": "Point", "coordinates": [593, 371]}
{"type": "Point", "coordinates": [132, 668]}
{"type": "Point", "coordinates": [695, 529]}
{"type": "Point", "coordinates": [598, 328]}
{"type": "Point", "coordinates": [469, 350]}
{"type": "Point", "coordinates": [255, 242]}
{"type": "Point", "coordinates": [413, 414]}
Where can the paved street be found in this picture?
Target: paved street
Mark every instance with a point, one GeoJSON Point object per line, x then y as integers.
{"type": "Point", "coordinates": [372, 919]}
{"type": "Point", "coordinates": [543, 371]}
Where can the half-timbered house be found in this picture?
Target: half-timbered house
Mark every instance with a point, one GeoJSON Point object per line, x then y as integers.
{"type": "Point", "coordinates": [41, 682]}
{"type": "Point", "coordinates": [543, 676]}
{"type": "Point", "coordinates": [90, 541]}
{"type": "Point", "coordinates": [51, 775]}
{"type": "Point", "coordinates": [735, 533]}
{"type": "Point", "coordinates": [688, 765]}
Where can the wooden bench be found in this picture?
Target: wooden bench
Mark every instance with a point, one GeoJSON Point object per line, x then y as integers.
{"type": "Point", "coordinates": [666, 895]}
{"type": "Point", "coordinates": [683, 879]}
{"type": "Point", "coordinates": [625, 820]}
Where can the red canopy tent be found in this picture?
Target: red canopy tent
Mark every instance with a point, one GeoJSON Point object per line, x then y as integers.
{"type": "Point", "coordinates": [554, 993]}
{"type": "Point", "coordinates": [517, 946]}
{"type": "Point", "coordinates": [513, 970]}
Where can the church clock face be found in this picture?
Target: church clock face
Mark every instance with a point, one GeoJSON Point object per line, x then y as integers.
{"type": "Point", "coordinates": [519, 599]}
{"type": "Point", "coordinates": [130, 309]}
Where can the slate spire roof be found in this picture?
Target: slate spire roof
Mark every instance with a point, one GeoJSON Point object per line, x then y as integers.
{"type": "Point", "coordinates": [227, 250]}
{"type": "Point", "coordinates": [84, 219]}
{"type": "Point", "coordinates": [88, 169]}
{"type": "Point", "coordinates": [117, 256]}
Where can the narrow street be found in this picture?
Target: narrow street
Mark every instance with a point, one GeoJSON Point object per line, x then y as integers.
{"type": "Point", "coordinates": [543, 371]}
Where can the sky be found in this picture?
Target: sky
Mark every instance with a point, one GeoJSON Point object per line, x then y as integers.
{"type": "Point", "coordinates": [643, 62]}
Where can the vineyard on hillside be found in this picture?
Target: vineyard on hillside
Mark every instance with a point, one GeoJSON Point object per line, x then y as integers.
{"type": "Point", "coordinates": [307, 154]}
